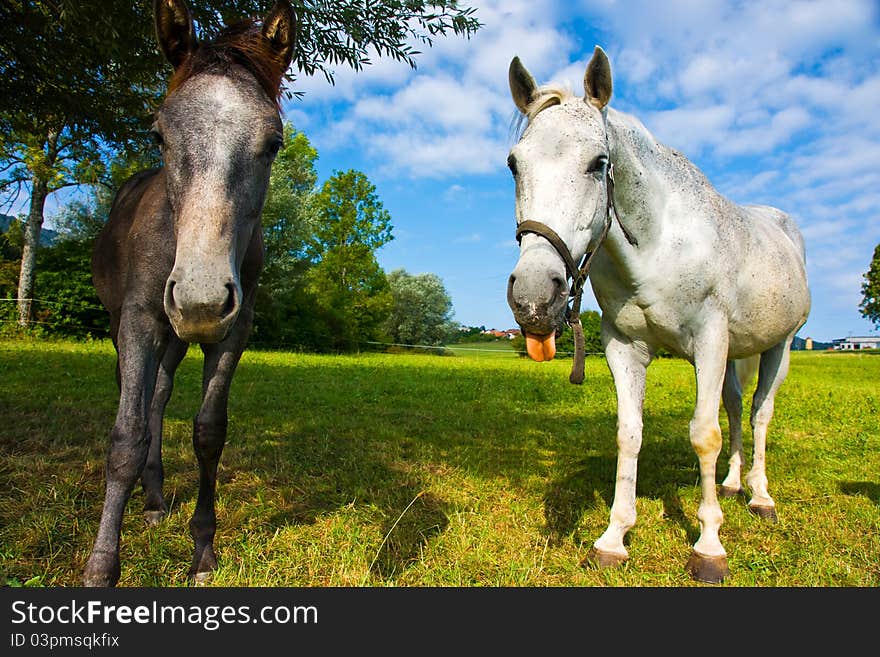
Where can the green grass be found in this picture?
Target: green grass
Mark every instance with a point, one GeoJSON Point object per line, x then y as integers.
{"type": "Point", "coordinates": [488, 349]}
{"type": "Point", "coordinates": [417, 470]}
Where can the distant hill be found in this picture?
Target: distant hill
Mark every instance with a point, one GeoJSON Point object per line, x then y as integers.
{"type": "Point", "coordinates": [48, 237]}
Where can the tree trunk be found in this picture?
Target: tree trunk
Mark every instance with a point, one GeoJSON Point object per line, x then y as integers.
{"type": "Point", "coordinates": [29, 251]}
{"type": "Point", "coordinates": [39, 191]}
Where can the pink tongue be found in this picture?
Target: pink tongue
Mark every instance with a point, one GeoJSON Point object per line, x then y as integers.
{"type": "Point", "coordinates": [541, 347]}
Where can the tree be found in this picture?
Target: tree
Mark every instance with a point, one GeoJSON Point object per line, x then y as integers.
{"type": "Point", "coordinates": [69, 304]}
{"type": "Point", "coordinates": [870, 305]}
{"type": "Point", "coordinates": [350, 289]}
{"type": "Point", "coordinates": [73, 90]}
{"type": "Point", "coordinates": [283, 314]}
{"type": "Point", "coordinates": [80, 78]}
{"type": "Point", "coordinates": [422, 309]}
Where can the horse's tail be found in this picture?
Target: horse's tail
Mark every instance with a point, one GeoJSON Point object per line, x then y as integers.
{"type": "Point", "coordinates": [746, 368]}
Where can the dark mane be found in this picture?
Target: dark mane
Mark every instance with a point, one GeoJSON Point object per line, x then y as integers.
{"type": "Point", "coordinates": [240, 44]}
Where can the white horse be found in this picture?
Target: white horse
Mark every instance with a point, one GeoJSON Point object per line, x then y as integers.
{"type": "Point", "coordinates": [680, 267]}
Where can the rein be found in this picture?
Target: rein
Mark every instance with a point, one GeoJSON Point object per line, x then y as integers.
{"type": "Point", "coordinates": [578, 274]}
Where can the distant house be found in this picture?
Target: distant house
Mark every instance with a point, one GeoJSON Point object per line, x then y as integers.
{"type": "Point", "coordinates": [857, 343]}
{"type": "Point", "coordinates": [510, 334]}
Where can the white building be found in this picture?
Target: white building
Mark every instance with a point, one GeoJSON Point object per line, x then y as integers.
{"type": "Point", "coordinates": [857, 342]}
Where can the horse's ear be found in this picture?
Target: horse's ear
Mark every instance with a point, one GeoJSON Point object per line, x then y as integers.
{"type": "Point", "coordinates": [522, 84]}
{"type": "Point", "coordinates": [597, 79]}
{"type": "Point", "coordinates": [174, 30]}
{"type": "Point", "coordinates": [280, 28]}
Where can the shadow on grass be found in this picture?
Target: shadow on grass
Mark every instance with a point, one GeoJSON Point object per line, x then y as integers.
{"type": "Point", "coordinates": [320, 435]}
{"type": "Point", "coordinates": [405, 536]}
{"type": "Point", "coordinates": [869, 489]}
{"type": "Point", "coordinates": [664, 465]}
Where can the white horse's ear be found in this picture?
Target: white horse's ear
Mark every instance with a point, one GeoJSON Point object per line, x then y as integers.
{"type": "Point", "coordinates": [522, 84]}
{"type": "Point", "coordinates": [597, 79]}
{"type": "Point", "coordinates": [280, 28]}
{"type": "Point", "coordinates": [174, 30]}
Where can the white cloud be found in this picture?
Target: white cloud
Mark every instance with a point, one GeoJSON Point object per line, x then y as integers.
{"type": "Point", "coordinates": [426, 156]}
{"type": "Point", "coordinates": [691, 129]}
{"type": "Point", "coordinates": [435, 104]}
{"type": "Point", "coordinates": [452, 115]}
{"type": "Point", "coordinates": [776, 100]}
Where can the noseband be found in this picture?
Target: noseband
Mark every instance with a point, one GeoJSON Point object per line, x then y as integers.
{"type": "Point", "coordinates": [578, 274]}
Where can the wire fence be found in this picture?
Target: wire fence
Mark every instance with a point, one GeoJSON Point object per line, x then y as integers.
{"type": "Point", "coordinates": [457, 348]}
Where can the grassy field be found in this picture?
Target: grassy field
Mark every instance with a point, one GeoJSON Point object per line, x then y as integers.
{"type": "Point", "coordinates": [413, 470]}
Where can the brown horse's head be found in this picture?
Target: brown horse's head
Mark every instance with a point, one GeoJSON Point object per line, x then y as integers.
{"type": "Point", "coordinates": [219, 130]}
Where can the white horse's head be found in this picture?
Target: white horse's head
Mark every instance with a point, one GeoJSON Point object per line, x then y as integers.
{"type": "Point", "coordinates": [560, 165]}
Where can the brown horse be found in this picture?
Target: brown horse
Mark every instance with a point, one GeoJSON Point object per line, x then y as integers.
{"type": "Point", "coordinates": [179, 258]}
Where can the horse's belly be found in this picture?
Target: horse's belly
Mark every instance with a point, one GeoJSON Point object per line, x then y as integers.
{"type": "Point", "coordinates": [756, 327]}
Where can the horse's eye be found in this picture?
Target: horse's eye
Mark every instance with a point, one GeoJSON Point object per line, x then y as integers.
{"type": "Point", "coordinates": [511, 164]}
{"type": "Point", "coordinates": [275, 146]}
{"type": "Point", "coordinates": [156, 136]}
{"type": "Point", "coordinates": [599, 165]}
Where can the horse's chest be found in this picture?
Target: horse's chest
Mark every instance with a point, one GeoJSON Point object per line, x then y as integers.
{"type": "Point", "coordinates": [657, 324]}
{"type": "Point", "coordinates": [659, 311]}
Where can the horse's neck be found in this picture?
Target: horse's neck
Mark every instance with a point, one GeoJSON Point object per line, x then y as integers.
{"type": "Point", "coordinates": [644, 184]}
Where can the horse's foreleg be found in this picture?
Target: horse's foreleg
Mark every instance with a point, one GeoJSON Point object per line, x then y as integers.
{"type": "Point", "coordinates": [708, 562]}
{"type": "Point", "coordinates": [153, 476]}
{"type": "Point", "coordinates": [773, 370]}
{"type": "Point", "coordinates": [209, 437]}
{"type": "Point", "coordinates": [628, 363]}
{"type": "Point", "coordinates": [731, 395]}
{"type": "Point", "coordinates": [140, 351]}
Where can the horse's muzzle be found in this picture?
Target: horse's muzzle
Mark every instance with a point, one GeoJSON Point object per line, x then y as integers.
{"type": "Point", "coordinates": [537, 296]}
{"type": "Point", "coordinates": [202, 311]}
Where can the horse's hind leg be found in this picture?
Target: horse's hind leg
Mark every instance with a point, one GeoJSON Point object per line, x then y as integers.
{"type": "Point", "coordinates": [736, 376]}
{"type": "Point", "coordinates": [140, 350]}
{"type": "Point", "coordinates": [773, 370]}
{"type": "Point", "coordinates": [731, 395]}
{"type": "Point", "coordinates": [209, 437]}
{"type": "Point", "coordinates": [153, 476]}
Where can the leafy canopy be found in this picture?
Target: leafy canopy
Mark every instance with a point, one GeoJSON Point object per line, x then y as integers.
{"type": "Point", "coordinates": [870, 304]}
{"type": "Point", "coordinates": [422, 310]}
{"type": "Point", "coordinates": [349, 287]}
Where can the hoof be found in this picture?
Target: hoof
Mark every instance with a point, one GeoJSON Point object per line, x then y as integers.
{"type": "Point", "coordinates": [153, 518]}
{"type": "Point", "coordinates": [729, 491]}
{"type": "Point", "coordinates": [764, 512]}
{"type": "Point", "coordinates": [203, 564]}
{"type": "Point", "coordinates": [102, 570]}
{"type": "Point", "coordinates": [201, 579]}
{"type": "Point", "coordinates": [711, 570]}
{"type": "Point", "coordinates": [600, 559]}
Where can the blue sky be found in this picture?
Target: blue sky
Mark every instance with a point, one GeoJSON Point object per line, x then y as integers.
{"type": "Point", "coordinates": [777, 102]}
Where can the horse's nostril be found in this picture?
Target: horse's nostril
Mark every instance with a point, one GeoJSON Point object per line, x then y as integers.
{"type": "Point", "coordinates": [511, 300]}
{"type": "Point", "coordinates": [231, 300]}
{"type": "Point", "coordinates": [559, 285]}
{"type": "Point", "coordinates": [170, 302]}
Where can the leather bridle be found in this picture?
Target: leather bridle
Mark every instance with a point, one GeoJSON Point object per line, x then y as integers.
{"type": "Point", "coordinates": [578, 273]}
